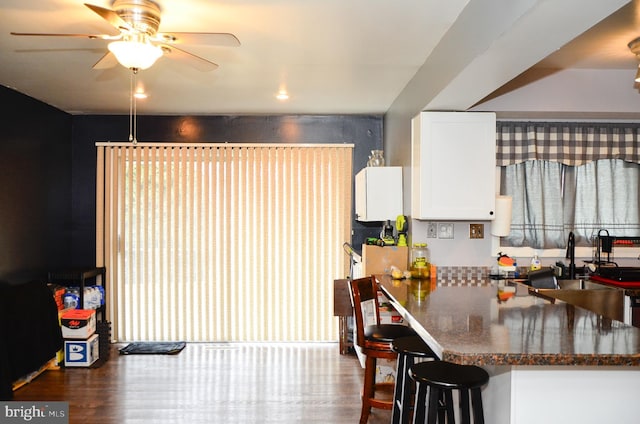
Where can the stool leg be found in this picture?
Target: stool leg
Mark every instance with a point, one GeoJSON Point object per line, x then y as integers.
{"type": "Point", "coordinates": [398, 393]}
{"type": "Point", "coordinates": [408, 391]}
{"type": "Point", "coordinates": [476, 403]}
{"type": "Point", "coordinates": [448, 404]}
{"type": "Point", "coordinates": [445, 407]}
{"type": "Point", "coordinates": [420, 404]}
{"type": "Point", "coordinates": [442, 406]}
{"type": "Point", "coordinates": [432, 409]}
{"type": "Point", "coordinates": [464, 407]}
{"type": "Point", "coordinates": [368, 390]}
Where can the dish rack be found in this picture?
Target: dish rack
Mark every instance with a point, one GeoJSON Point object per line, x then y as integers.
{"type": "Point", "coordinates": [606, 267]}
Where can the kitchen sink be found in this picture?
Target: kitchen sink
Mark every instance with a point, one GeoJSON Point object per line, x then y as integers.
{"type": "Point", "coordinates": [580, 284]}
{"type": "Point", "coordinates": [599, 298]}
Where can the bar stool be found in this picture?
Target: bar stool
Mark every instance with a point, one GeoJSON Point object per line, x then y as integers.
{"type": "Point", "coordinates": [438, 378]}
{"type": "Point", "coordinates": [408, 349]}
{"type": "Point", "coordinates": [374, 341]}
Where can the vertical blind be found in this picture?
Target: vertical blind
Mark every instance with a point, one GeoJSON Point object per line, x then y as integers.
{"type": "Point", "coordinates": [211, 242]}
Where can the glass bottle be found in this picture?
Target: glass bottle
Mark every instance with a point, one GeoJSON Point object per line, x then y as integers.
{"type": "Point", "coordinates": [376, 158]}
{"type": "Point", "coordinates": [420, 262]}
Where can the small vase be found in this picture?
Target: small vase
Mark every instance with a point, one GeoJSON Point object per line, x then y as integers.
{"type": "Point", "coordinates": [376, 158]}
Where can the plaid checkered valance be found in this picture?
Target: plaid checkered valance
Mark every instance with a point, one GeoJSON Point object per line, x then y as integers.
{"type": "Point", "coordinates": [572, 144]}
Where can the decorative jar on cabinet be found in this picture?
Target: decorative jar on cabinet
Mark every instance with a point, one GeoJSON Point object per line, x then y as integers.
{"type": "Point", "coordinates": [453, 160]}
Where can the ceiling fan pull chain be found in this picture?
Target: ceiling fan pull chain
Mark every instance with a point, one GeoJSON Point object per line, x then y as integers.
{"type": "Point", "coordinates": [133, 118]}
{"type": "Point", "coordinates": [135, 107]}
{"type": "Point", "coordinates": [131, 107]}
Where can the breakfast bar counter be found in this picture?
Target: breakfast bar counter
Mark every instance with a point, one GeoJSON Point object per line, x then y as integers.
{"type": "Point", "coordinates": [549, 361]}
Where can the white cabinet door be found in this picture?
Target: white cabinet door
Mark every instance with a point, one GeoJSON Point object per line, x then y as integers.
{"type": "Point", "coordinates": [453, 166]}
{"type": "Point", "coordinates": [379, 193]}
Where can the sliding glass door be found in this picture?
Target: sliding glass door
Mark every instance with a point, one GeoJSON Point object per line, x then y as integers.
{"type": "Point", "coordinates": [223, 242]}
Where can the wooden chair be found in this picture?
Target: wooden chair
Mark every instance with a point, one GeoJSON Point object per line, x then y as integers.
{"type": "Point", "coordinates": [374, 341]}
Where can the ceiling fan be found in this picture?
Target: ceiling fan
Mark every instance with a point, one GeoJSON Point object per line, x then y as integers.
{"type": "Point", "coordinates": [139, 44]}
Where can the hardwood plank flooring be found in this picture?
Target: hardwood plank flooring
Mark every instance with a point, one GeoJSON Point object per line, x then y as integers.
{"type": "Point", "coordinates": [212, 383]}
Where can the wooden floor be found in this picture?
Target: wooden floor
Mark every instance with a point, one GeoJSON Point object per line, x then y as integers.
{"type": "Point", "coordinates": [212, 383]}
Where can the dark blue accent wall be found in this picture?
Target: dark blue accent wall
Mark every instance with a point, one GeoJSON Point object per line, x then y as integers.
{"type": "Point", "coordinates": [35, 182]}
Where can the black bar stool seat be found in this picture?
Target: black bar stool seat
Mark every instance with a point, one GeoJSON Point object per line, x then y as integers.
{"type": "Point", "coordinates": [436, 378]}
{"type": "Point", "coordinates": [408, 349]}
{"type": "Point", "coordinates": [387, 333]}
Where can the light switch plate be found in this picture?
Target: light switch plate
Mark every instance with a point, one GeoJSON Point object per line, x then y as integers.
{"type": "Point", "coordinates": [445, 230]}
{"type": "Point", "coordinates": [476, 231]}
{"type": "Point", "coordinates": [432, 230]}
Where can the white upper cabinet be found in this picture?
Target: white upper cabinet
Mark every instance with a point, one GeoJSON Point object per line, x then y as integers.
{"type": "Point", "coordinates": [379, 193]}
{"type": "Point", "coordinates": [453, 161]}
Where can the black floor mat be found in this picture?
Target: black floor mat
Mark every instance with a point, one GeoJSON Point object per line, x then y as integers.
{"type": "Point", "coordinates": [150, 348]}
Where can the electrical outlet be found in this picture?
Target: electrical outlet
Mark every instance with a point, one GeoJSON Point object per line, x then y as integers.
{"type": "Point", "coordinates": [432, 230]}
{"type": "Point", "coordinates": [445, 230]}
{"type": "Point", "coordinates": [476, 231]}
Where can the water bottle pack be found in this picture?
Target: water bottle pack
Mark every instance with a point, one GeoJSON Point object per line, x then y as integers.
{"type": "Point", "coordinates": [93, 297]}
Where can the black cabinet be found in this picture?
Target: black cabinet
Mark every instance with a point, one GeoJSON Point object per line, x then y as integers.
{"type": "Point", "coordinates": [81, 277]}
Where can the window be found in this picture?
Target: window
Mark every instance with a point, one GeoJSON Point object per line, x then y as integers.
{"type": "Point", "coordinates": [551, 199]}
{"type": "Point", "coordinates": [569, 177]}
{"type": "Point", "coordinates": [223, 242]}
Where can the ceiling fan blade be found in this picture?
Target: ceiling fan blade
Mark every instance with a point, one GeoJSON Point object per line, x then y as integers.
{"type": "Point", "coordinates": [106, 62]}
{"type": "Point", "coordinates": [110, 16]}
{"type": "Point", "coordinates": [209, 38]}
{"type": "Point", "coordinates": [91, 36]}
{"type": "Point", "coordinates": [197, 62]}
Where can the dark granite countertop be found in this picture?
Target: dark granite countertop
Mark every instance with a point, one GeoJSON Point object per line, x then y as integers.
{"type": "Point", "coordinates": [500, 323]}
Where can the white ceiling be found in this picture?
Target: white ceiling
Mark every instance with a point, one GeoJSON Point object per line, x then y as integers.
{"type": "Point", "coordinates": [332, 56]}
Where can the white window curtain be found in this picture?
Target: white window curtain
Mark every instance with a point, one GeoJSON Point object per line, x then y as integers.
{"type": "Point", "coordinates": [604, 195]}
{"type": "Point", "coordinates": [232, 242]}
{"type": "Point", "coordinates": [550, 200]}
{"type": "Point", "coordinates": [579, 177]}
{"type": "Point", "coordinates": [537, 210]}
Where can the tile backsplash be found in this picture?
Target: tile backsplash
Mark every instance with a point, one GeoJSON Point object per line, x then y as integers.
{"type": "Point", "coordinates": [463, 275]}
{"type": "Point", "coordinates": [466, 275]}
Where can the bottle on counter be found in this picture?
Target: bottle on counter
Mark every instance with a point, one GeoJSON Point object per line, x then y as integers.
{"type": "Point", "coordinates": [420, 266]}
{"type": "Point", "coordinates": [535, 264]}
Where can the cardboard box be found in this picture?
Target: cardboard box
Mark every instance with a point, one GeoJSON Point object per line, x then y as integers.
{"type": "Point", "coordinates": [81, 353]}
{"type": "Point", "coordinates": [378, 260]}
{"type": "Point", "coordinates": [78, 323]}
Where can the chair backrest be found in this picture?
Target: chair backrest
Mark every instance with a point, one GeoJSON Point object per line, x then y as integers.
{"type": "Point", "coordinates": [364, 297]}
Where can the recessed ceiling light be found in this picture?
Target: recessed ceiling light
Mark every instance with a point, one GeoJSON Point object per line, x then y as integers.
{"type": "Point", "coordinates": [282, 95]}
{"type": "Point", "coordinates": [140, 95]}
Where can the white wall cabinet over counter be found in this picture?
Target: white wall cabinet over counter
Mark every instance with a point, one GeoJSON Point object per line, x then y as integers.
{"type": "Point", "coordinates": [379, 193]}
{"type": "Point", "coordinates": [453, 159]}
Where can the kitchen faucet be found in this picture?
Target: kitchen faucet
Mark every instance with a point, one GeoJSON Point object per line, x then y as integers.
{"type": "Point", "coordinates": [571, 255]}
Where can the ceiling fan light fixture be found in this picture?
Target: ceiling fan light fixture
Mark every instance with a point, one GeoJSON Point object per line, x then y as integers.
{"type": "Point", "coordinates": [134, 54]}
{"type": "Point", "coordinates": [634, 46]}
